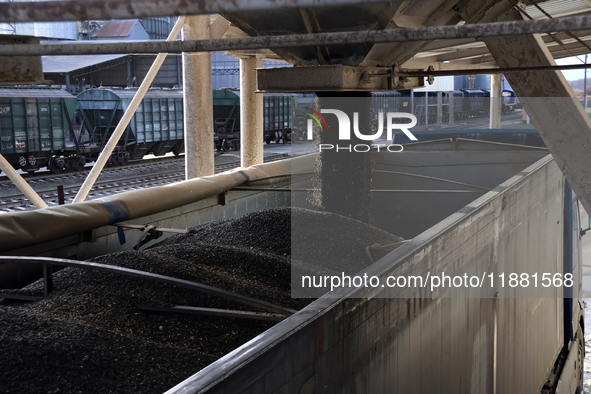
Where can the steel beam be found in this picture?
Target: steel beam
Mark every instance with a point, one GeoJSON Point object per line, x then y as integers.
{"type": "Point", "coordinates": [251, 113]}
{"type": "Point", "coordinates": [332, 78]}
{"type": "Point", "coordinates": [552, 105]}
{"type": "Point", "coordinates": [127, 9]}
{"type": "Point", "coordinates": [450, 71]}
{"type": "Point", "coordinates": [482, 30]}
{"type": "Point", "coordinates": [198, 102]}
{"type": "Point", "coordinates": [20, 69]}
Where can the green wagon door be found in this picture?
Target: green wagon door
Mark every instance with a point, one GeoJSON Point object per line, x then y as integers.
{"type": "Point", "coordinates": [33, 125]}
{"type": "Point", "coordinates": [58, 124]}
{"type": "Point", "coordinates": [44, 123]}
{"type": "Point", "coordinates": [6, 131]}
{"type": "Point", "coordinates": [148, 120]}
{"type": "Point", "coordinates": [164, 130]}
{"type": "Point", "coordinates": [171, 120]}
{"type": "Point", "coordinates": [19, 123]}
{"type": "Point", "coordinates": [156, 116]}
{"type": "Point", "coordinates": [266, 114]}
{"type": "Point", "coordinates": [140, 128]}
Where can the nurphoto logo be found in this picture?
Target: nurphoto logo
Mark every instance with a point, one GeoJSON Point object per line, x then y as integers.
{"type": "Point", "coordinates": [345, 129]}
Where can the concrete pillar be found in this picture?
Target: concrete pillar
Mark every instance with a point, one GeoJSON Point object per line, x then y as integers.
{"type": "Point", "coordinates": [495, 101]}
{"type": "Point", "coordinates": [251, 113]}
{"type": "Point", "coordinates": [450, 108]}
{"type": "Point", "coordinates": [552, 105]}
{"type": "Point", "coordinates": [198, 105]}
{"type": "Point", "coordinates": [68, 85]}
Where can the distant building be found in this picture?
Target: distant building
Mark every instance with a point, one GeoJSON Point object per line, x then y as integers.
{"type": "Point", "coordinates": [130, 29]}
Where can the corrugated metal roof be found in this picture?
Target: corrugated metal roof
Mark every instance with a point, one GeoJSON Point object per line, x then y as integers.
{"type": "Point", "coordinates": [36, 93]}
{"type": "Point", "coordinates": [65, 64]}
{"type": "Point", "coordinates": [555, 8]}
{"type": "Point", "coordinates": [115, 29]}
{"type": "Point", "coordinates": [558, 8]}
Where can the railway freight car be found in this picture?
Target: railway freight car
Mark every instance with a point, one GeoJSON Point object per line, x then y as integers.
{"type": "Point", "coordinates": [156, 127]}
{"type": "Point", "coordinates": [36, 129]}
{"type": "Point", "coordinates": [279, 114]}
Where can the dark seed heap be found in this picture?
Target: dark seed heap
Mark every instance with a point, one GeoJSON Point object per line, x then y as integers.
{"type": "Point", "coordinates": [90, 336]}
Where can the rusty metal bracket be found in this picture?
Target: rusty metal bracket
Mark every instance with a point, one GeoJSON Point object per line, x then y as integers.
{"type": "Point", "coordinates": [149, 232]}
{"type": "Point", "coordinates": [430, 77]}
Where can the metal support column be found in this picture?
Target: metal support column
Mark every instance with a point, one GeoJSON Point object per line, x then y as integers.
{"type": "Point", "coordinates": [68, 86]}
{"type": "Point", "coordinates": [552, 105]}
{"type": "Point", "coordinates": [495, 101]}
{"type": "Point", "coordinates": [198, 102]}
{"type": "Point", "coordinates": [426, 110]}
{"type": "Point", "coordinates": [450, 108]}
{"type": "Point", "coordinates": [439, 109]}
{"type": "Point", "coordinates": [251, 113]}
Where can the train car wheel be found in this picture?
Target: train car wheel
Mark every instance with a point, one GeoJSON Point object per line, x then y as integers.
{"type": "Point", "coordinates": [22, 161]}
{"type": "Point", "coordinates": [268, 140]}
{"type": "Point", "coordinates": [123, 158]}
{"type": "Point", "coordinates": [55, 166]}
{"type": "Point", "coordinates": [225, 147]}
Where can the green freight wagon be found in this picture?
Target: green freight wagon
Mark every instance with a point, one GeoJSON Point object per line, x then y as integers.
{"type": "Point", "coordinates": [36, 129]}
{"type": "Point", "coordinates": [156, 127]}
{"type": "Point", "coordinates": [278, 117]}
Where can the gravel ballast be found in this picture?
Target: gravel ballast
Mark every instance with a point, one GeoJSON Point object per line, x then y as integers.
{"type": "Point", "coordinates": [89, 336]}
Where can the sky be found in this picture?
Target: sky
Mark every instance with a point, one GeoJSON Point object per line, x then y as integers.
{"type": "Point", "coordinates": [572, 75]}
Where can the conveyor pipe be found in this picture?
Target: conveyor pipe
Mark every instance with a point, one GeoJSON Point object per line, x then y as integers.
{"type": "Point", "coordinates": [21, 183]}
{"type": "Point", "coordinates": [124, 122]}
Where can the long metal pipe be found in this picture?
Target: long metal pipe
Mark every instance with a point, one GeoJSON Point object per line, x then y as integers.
{"type": "Point", "coordinates": [125, 9]}
{"type": "Point", "coordinates": [510, 28]}
{"type": "Point", "coordinates": [126, 118]}
{"type": "Point", "coordinates": [229, 295]}
{"type": "Point", "coordinates": [21, 183]}
{"type": "Point", "coordinates": [490, 70]}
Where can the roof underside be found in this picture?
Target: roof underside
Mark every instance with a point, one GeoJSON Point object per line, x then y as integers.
{"type": "Point", "coordinates": [442, 54]}
{"type": "Point", "coordinates": [66, 64]}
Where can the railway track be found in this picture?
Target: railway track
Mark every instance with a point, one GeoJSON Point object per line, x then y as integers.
{"type": "Point", "coordinates": [14, 202]}
{"type": "Point", "coordinates": [71, 176]}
